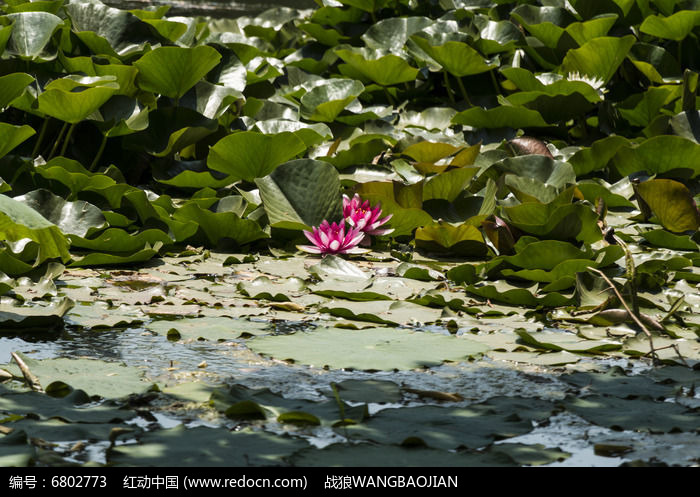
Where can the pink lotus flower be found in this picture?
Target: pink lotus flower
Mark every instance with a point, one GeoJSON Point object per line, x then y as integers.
{"type": "Point", "coordinates": [332, 239]}
{"type": "Point", "coordinates": [363, 217]}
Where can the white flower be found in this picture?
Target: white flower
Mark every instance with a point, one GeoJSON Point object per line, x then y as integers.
{"type": "Point", "coordinates": [595, 83]}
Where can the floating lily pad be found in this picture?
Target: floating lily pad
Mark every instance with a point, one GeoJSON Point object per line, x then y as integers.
{"type": "Point", "coordinates": [186, 447]}
{"type": "Point", "coordinates": [375, 348]}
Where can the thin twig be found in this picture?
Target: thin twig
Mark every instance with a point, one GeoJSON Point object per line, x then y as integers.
{"type": "Point", "coordinates": [29, 377]}
{"type": "Point", "coordinates": [629, 311]}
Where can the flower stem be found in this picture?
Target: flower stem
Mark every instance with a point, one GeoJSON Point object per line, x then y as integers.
{"type": "Point", "coordinates": [65, 142]}
{"type": "Point", "coordinates": [58, 140]}
{"type": "Point", "coordinates": [389, 97]}
{"type": "Point", "coordinates": [496, 87]}
{"type": "Point", "coordinates": [99, 153]}
{"type": "Point", "coordinates": [463, 91]}
{"type": "Point", "coordinates": [450, 93]}
{"type": "Point", "coordinates": [40, 139]}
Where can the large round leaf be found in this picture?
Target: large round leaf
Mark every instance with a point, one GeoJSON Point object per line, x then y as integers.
{"type": "Point", "coordinates": [675, 27]}
{"type": "Point", "coordinates": [301, 193]}
{"type": "Point", "coordinates": [72, 99]}
{"type": "Point", "coordinates": [110, 31]}
{"type": "Point", "coordinates": [326, 101]}
{"type": "Point", "coordinates": [455, 57]}
{"type": "Point", "coordinates": [391, 34]}
{"type": "Point", "coordinates": [12, 87]}
{"type": "Point", "coordinates": [599, 58]}
{"type": "Point", "coordinates": [73, 218]}
{"type": "Point", "coordinates": [171, 71]}
{"type": "Point", "coordinates": [384, 70]}
{"type": "Point", "coordinates": [11, 136]}
{"type": "Point", "coordinates": [18, 221]}
{"type": "Point", "coordinates": [31, 33]}
{"type": "Point", "coordinates": [672, 203]}
{"type": "Point", "coordinates": [465, 240]}
{"type": "Point", "coordinates": [248, 155]}
{"type": "Point", "coordinates": [658, 155]}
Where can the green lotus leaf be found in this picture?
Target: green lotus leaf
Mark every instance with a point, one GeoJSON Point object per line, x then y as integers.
{"type": "Point", "coordinates": [674, 27]}
{"type": "Point", "coordinates": [329, 37]}
{"type": "Point", "coordinates": [118, 240]}
{"type": "Point", "coordinates": [654, 62]}
{"type": "Point", "coordinates": [360, 152]}
{"type": "Point", "coordinates": [562, 276]}
{"type": "Point", "coordinates": [51, 6]}
{"type": "Point", "coordinates": [16, 319]}
{"type": "Point", "coordinates": [310, 134]}
{"type": "Point", "coordinates": [404, 220]}
{"type": "Point", "coordinates": [687, 125]}
{"type": "Point", "coordinates": [370, 6]}
{"type": "Point", "coordinates": [553, 108]}
{"type": "Point", "coordinates": [431, 119]}
{"type": "Point", "coordinates": [427, 151]}
{"type": "Point", "coordinates": [448, 185]}
{"type": "Point", "coordinates": [167, 28]}
{"type": "Point", "coordinates": [189, 174]}
{"type": "Point", "coordinates": [73, 99]}
{"type": "Point", "coordinates": [539, 167]}
{"type": "Point", "coordinates": [109, 31]}
{"type": "Point", "coordinates": [599, 58]}
{"type": "Point", "coordinates": [72, 218]}
{"type": "Point", "coordinates": [391, 34]}
{"type": "Point", "coordinates": [545, 23]}
{"type": "Point", "coordinates": [75, 177]}
{"type": "Point", "coordinates": [447, 428]}
{"type": "Point", "coordinates": [377, 66]}
{"type": "Point", "coordinates": [31, 34]}
{"type": "Point", "coordinates": [91, 66]}
{"type": "Point", "coordinates": [5, 33]}
{"type": "Point", "coordinates": [326, 101]}
{"type": "Point", "coordinates": [638, 414]}
{"type": "Point", "coordinates": [583, 32]}
{"type": "Point", "coordinates": [457, 58]}
{"type": "Point", "coordinates": [170, 129]}
{"type": "Point", "coordinates": [186, 447]}
{"type": "Point", "coordinates": [594, 189]}
{"type": "Point", "coordinates": [146, 253]}
{"type": "Point", "coordinates": [13, 85]}
{"type": "Point", "coordinates": [556, 86]}
{"type": "Point", "coordinates": [11, 136]}
{"type": "Point", "coordinates": [333, 267]}
{"type": "Point", "coordinates": [210, 100]}
{"type": "Point", "coordinates": [566, 341]}
{"type": "Point", "coordinates": [598, 155]}
{"type": "Point", "coordinates": [558, 222]}
{"type": "Point", "coordinates": [642, 108]}
{"type": "Point", "coordinates": [672, 203]}
{"type": "Point", "coordinates": [120, 116]}
{"type": "Point", "coordinates": [373, 349]}
{"type": "Point", "coordinates": [249, 155]}
{"type": "Point", "coordinates": [172, 71]}
{"type": "Point", "coordinates": [545, 254]}
{"type": "Point", "coordinates": [18, 221]}
{"type": "Point", "coordinates": [657, 155]}
{"type": "Point", "coordinates": [497, 36]}
{"type": "Point", "coordinates": [663, 238]}
{"type": "Point", "coordinates": [465, 240]}
{"type": "Point", "coordinates": [90, 376]}
{"type": "Point", "coordinates": [286, 199]}
{"type": "Point", "coordinates": [504, 116]}
{"type": "Point", "coordinates": [216, 227]}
